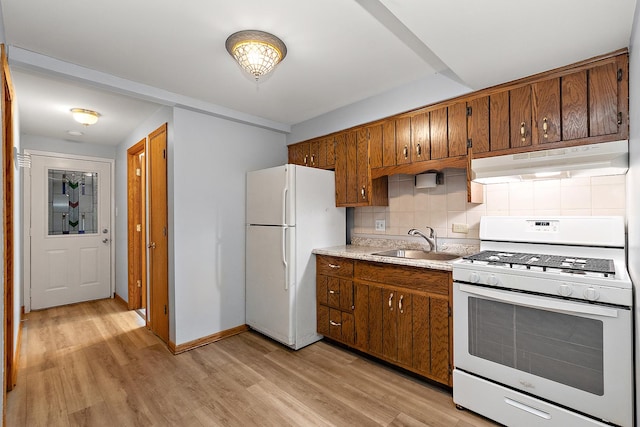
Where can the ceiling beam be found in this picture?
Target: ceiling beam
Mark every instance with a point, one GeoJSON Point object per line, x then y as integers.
{"type": "Point", "coordinates": [25, 59]}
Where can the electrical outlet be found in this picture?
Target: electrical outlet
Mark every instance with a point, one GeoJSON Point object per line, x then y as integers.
{"type": "Point", "coordinates": [461, 228]}
{"type": "Point", "coordinates": [380, 224]}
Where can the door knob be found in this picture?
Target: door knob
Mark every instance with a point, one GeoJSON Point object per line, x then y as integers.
{"type": "Point", "coordinates": [105, 240]}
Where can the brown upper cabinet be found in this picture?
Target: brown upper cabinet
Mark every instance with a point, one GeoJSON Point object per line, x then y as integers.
{"type": "Point", "coordinates": [581, 105]}
{"type": "Point", "coordinates": [420, 137]}
{"type": "Point", "coordinates": [317, 153]}
{"type": "Point", "coordinates": [354, 185]}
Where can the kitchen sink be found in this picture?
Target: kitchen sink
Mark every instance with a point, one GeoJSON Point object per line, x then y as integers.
{"type": "Point", "coordinates": [418, 254]}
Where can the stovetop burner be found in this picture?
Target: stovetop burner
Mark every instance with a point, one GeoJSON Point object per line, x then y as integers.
{"type": "Point", "coordinates": [542, 262]}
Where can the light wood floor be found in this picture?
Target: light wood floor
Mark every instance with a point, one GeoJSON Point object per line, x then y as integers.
{"type": "Point", "coordinates": [95, 364]}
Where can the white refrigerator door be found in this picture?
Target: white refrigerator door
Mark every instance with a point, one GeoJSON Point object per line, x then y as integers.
{"type": "Point", "coordinates": [270, 195]}
{"type": "Point", "coordinates": [270, 287]}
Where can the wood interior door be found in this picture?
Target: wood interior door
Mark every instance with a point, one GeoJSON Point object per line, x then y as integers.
{"type": "Point", "coordinates": [158, 234]}
{"type": "Point", "coordinates": [10, 371]}
{"type": "Point", "coordinates": [136, 226]}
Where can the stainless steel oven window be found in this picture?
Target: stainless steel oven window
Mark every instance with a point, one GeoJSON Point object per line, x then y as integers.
{"type": "Point", "coordinates": [564, 348]}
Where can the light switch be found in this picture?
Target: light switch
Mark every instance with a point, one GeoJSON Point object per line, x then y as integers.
{"type": "Point", "coordinates": [380, 224]}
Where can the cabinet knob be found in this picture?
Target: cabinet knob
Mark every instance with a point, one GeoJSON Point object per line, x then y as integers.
{"type": "Point", "coordinates": [364, 193]}
{"type": "Point", "coordinates": [405, 151]}
{"type": "Point", "coordinates": [545, 127]}
{"type": "Point", "coordinates": [400, 303]}
{"type": "Point", "coordinates": [313, 159]}
{"type": "Point", "coordinates": [391, 301]}
{"type": "Point", "coordinates": [419, 150]}
{"type": "Point", "coordinates": [523, 131]}
{"type": "Point", "coordinates": [334, 266]}
{"type": "Point", "coordinates": [332, 323]}
{"type": "Point", "coordinates": [306, 160]}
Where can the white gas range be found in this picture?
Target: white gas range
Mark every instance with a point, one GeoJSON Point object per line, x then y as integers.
{"type": "Point", "coordinates": [543, 323]}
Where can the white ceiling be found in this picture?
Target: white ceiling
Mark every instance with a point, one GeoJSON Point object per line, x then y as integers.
{"type": "Point", "coordinates": [339, 52]}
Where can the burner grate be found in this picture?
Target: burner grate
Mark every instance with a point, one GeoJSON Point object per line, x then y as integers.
{"type": "Point", "coordinates": [544, 262]}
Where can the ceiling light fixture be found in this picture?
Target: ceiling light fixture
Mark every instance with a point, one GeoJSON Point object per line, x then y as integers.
{"type": "Point", "coordinates": [84, 117]}
{"type": "Point", "coordinates": [255, 51]}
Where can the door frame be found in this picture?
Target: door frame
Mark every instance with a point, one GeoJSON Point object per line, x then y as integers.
{"type": "Point", "coordinates": [137, 211]}
{"type": "Point", "coordinates": [26, 176]}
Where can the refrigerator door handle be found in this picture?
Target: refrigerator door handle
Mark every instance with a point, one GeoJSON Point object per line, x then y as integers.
{"type": "Point", "coordinates": [284, 258]}
{"type": "Point", "coordinates": [284, 205]}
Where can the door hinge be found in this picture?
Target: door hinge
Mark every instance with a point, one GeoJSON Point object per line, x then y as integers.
{"type": "Point", "coordinates": [449, 369]}
{"type": "Point", "coordinates": [138, 172]}
{"type": "Point", "coordinates": [138, 227]}
{"type": "Point", "coordinates": [164, 231]}
{"type": "Point", "coordinates": [619, 74]}
{"type": "Point", "coordinates": [164, 154]}
{"type": "Point", "coordinates": [139, 283]}
{"type": "Point", "coordinates": [165, 309]}
{"type": "Point", "coordinates": [469, 111]}
{"type": "Point", "coordinates": [469, 143]}
{"type": "Point", "coordinates": [619, 118]}
{"type": "Point", "coordinates": [449, 311]}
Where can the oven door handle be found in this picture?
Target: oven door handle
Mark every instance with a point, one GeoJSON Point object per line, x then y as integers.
{"type": "Point", "coordinates": [534, 302]}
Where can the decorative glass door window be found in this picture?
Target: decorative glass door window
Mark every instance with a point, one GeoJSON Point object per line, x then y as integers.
{"type": "Point", "coordinates": [73, 202]}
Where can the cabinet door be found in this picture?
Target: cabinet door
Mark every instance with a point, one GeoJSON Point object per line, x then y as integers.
{"type": "Point", "coordinates": [389, 143]}
{"type": "Point", "coordinates": [322, 289]}
{"type": "Point", "coordinates": [403, 140]}
{"type": "Point", "coordinates": [389, 324]}
{"type": "Point", "coordinates": [375, 319]}
{"type": "Point", "coordinates": [374, 139]}
{"type": "Point", "coordinates": [421, 334]}
{"type": "Point", "coordinates": [457, 129]}
{"type": "Point", "coordinates": [346, 295]}
{"type": "Point", "coordinates": [321, 161]}
{"type": "Point", "coordinates": [314, 149]}
{"type": "Point", "coordinates": [499, 135]}
{"type": "Point", "coordinates": [348, 328]}
{"type": "Point", "coordinates": [546, 110]}
{"type": "Point", "coordinates": [439, 322]}
{"type": "Point", "coordinates": [335, 324]}
{"type": "Point", "coordinates": [478, 124]}
{"type": "Point", "coordinates": [420, 142]}
{"type": "Point", "coordinates": [341, 170]}
{"type": "Point", "coordinates": [293, 153]}
{"type": "Point", "coordinates": [439, 133]}
{"type": "Point", "coordinates": [603, 100]}
{"type": "Point", "coordinates": [361, 315]}
{"type": "Point", "coordinates": [363, 186]}
{"type": "Point", "coordinates": [404, 312]}
{"type": "Point", "coordinates": [574, 106]}
{"type": "Point", "coordinates": [331, 152]}
{"type": "Point", "coordinates": [520, 116]}
{"type": "Point", "coordinates": [333, 292]}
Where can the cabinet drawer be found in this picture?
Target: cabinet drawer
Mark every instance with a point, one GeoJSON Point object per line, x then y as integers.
{"type": "Point", "coordinates": [334, 266]}
{"type": "Point", "coordinates": [433, 281]}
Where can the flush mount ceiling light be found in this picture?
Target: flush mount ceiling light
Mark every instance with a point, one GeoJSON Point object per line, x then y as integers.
{"type": "Point", "coordinates": [255, 51]}
{"type": "Point", "coordinates": [84, 117]}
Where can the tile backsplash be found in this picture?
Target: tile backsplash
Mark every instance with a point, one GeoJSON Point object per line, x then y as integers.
{"type": "Point", "coordinates": [446, 204]}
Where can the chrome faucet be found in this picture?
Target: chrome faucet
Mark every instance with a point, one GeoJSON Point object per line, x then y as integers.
{"type": "Point", "coordinates": [432, 239]}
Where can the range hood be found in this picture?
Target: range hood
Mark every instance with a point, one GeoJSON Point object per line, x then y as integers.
{"type": "Point", "coordinates": [607, 158]}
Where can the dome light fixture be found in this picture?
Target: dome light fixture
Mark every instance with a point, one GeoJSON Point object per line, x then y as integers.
{"type": "Point", "coordinates": [255, 51]}
{"type": "Point", "coordinates": [85, 117]}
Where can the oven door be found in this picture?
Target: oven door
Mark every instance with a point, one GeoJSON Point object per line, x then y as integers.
{"type": "Point", "coordinates": [577, 355]}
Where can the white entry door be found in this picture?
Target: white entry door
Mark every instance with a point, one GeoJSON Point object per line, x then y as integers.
{"type": "Point", "coordinates": [70, 231]}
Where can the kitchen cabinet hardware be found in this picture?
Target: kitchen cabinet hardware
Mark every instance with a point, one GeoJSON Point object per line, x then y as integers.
{"type": "Point", "coordinates": [400, 304]}
{"type": "Point", "coordinates": [332, 323]}
{"type": "Point", "coordinates": [405, 152]}
{"type": "Point", "coordinates": [391, 301]}
{"type": "Point", "coordinates": [334, 266]}
{"type": "Point", "coordinates": [418, 150]}
{"type": "Point", "coordinates": [545, 127]}
{"type": "Point", "coordinates": [523, 131]}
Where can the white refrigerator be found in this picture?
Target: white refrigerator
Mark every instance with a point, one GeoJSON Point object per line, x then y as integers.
{"type": "Point", "coordinates": [290, 211]}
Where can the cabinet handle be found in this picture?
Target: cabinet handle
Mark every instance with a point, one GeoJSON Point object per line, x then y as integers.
{"type": "Point", "coordinates": [405, 151]}
{"type": "Point", "coordinates": [400, 303]}
{"type": "Point", "coordinates": [332, 323]}
{"type": "Point", "coordinates": [334, 292]}
{"type": "Point", "coordinates": [306, 160]}
{"type": "Point", "coordinates": [419, 150]}
{"type": "Point", "coordinates": [313, 159]}
{"type": "Point", "coordinates": [545, 127]}
{"type": "Point", "coordinates": [364, 193]}
{"type": "Point", "coordinates": [334, 266]}
{"type": "Point", "coordinates": [391, 301]}
{"type": "Point", "coordinates": [523, 131]}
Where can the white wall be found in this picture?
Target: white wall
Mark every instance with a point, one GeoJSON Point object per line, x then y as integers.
{"type": "Point", "coordinates": [163, 115]}
{"type": "Point", "coordinates": [433, 89]}
{"type": "Point", "coordinates": [210, 158]}
{"type": "Point", "coordinates": [633, 187]}
{"type": "Point", "coordinates": [40, 143]}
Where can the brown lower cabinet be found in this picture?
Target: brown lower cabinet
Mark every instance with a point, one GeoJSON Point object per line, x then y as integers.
{"type": "Point", "coordinates": [399, 314]}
